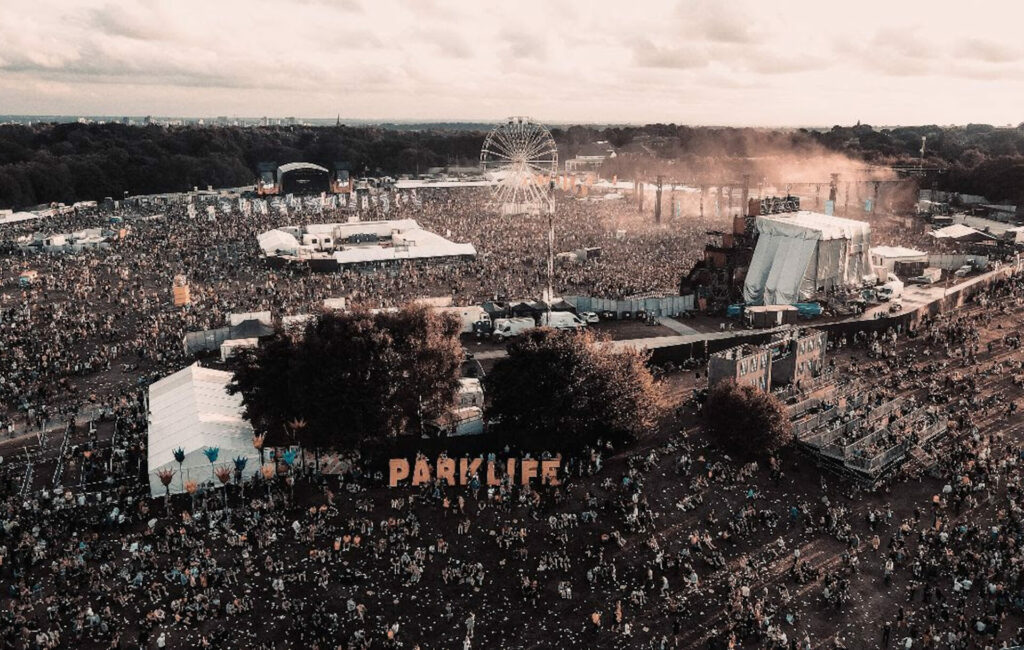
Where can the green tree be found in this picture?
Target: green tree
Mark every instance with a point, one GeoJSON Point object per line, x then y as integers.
{"type": "Point", "coordinates": [745, 421]}
{"type": "Point", "coordinates": [352, 378]}
{"type": "Point", "coordinates": [560, 390]}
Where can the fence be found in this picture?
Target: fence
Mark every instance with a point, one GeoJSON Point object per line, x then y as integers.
{"type": "Point", "coordinates": [660, 306]}
{"type": "Point", "coordinates": [207, 340]}
{"type": "Point", "coordinates": [952, 262]}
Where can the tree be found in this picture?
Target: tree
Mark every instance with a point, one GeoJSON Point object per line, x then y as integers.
{"type": "Point", "coordinates": [746, 421]}
{"type": "Point", "coordinates": [565, 390]}
{"type": "Point", "coordinates": [352, 378]}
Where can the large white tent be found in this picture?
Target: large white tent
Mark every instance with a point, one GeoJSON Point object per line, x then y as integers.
{"type": "Point", "coordinates": [799, 254]}
{"type": "Point", "coordinates": [386, 241]}
{"type": "Point", "coordinates": [191, 409]}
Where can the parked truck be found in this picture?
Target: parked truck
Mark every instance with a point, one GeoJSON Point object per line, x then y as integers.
{"type": "Point", "coordinates": [891, 290]}
{"type": "Point", "coordinates": [562, 320]}
{"type": "Point", "coordinates": [930, 275]}
{"type": "Point", "coordinates": [506, 328]}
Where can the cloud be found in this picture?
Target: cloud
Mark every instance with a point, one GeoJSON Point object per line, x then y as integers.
{"type": "Point", "coordinates": [692, 61]}
{"type": "Point", "coordinates": [988, 51]}
{"type": "Point", "coordinates": [144, 23]}
{"type": "Point", "coordinates": [449, 43]}
{"type": "Point", "coordinates": [719, 22]}
{"type": "Point", "coordinates": [524, 45]}
{"type": "Point", "coordinates": [680, 57]}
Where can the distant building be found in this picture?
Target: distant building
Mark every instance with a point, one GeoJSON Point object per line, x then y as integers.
{"type": "Point", "coordinates": [887, 256]}
{"type": "Point", "coordinates": [590, 157]}
{"type": "Point", "coordinates": [1005, 213]}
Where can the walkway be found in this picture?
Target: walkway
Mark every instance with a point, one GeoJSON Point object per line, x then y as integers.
{"type": "Point", "coordinates": [676, 326]}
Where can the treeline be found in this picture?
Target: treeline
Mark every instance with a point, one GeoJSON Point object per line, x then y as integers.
{"type": "Point", "coordinates": [71, 162]}
{"type": "Point", "coordinates": [975, 159]}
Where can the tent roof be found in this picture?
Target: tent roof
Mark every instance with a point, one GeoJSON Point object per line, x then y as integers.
{"type": "Point", "coordinates": [798, 253]}
{"type": "Point", "coordinates": [277, 240]}
{"type": "Point", "coordinates": [288, 167]}
{"type": "Point", "coordinates": [251, 329]}
{"type": "Point", "coordinates": [811, 225]}
{"type": "Point", "coordinates": [191, 409]}
{"type": "Point", "coordinates": [958, 231]}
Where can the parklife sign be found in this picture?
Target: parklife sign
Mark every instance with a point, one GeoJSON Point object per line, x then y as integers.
{"type": "Point", "coordinates": [461, 471]}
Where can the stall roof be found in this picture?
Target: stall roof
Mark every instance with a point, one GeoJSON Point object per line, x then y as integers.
{"type": "Point", "coordinates": [959, 231]}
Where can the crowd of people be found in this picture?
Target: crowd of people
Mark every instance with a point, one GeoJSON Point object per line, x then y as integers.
{"type": "Point", "coordinates": [668, 544]}
{"type": "Point", "coordinates": [96, 319]}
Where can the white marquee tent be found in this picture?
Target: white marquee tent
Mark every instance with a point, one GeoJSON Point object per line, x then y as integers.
{"type": "Point", "coordinates": [191, 409]}
{"type": "Point", "coordinates": [801, 253]}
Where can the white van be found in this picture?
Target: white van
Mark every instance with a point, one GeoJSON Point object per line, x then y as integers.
{"type": "Point", "coordinates": [506, 328]}
{"type": "Point", "coordinates": [562, 320]}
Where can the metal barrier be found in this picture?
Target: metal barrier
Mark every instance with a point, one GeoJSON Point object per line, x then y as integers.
{"type": "Point", "coordinates": [660, 306]}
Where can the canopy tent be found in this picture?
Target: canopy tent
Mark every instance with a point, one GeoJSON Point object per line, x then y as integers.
{"type": "Point", "coordinates": [801, 253]}
{"type": "Point", "coordinates": [16, 217]}
{"type": "Point", "coordinates": [191, 409]}
{"type": "Point", "coordinates": [277, 241]}
{"type": "Point", "coordinates": [960, 232]}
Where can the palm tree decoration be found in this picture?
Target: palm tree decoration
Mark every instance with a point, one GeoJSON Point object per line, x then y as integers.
{"type": "Point", "coordinates": [289, 457]}
{"type": "Point", "coordinates": [296, 425]}
{"type": "Point", "coordinates": [179, 455]}
{"type": "Point", "coordinates": [191, 486]}
{"type": "Point", "coordinates": [257, 442]}
{"type": "Point", "coordinates": [224, 475]}
{"type": "Point", "coordinates": [268, 471]}
{"type": "Point", "coordinates": [289, 460]}
{"type": "Point", "coordinates": [211, 455]}
{"type": "Point", "coordinates": [240, 463]}
{"type": "Point", "coordinates": [166, 474]}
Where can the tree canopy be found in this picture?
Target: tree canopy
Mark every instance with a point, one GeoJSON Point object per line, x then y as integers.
{"type": "Point", "coordinates": [746, 421]}
{"type": "Point", "coordinates": [351, 378]}
{"type": "Point", "coordinates": [71, 162]}
{"type": "Point", "coordinates": [559, 390]}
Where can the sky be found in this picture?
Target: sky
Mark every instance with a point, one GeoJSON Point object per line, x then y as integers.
{"type": "Point", "coordinates": [716, 62]}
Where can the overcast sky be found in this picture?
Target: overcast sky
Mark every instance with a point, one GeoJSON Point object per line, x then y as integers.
{"type": "Point", "coordinates": [777, 62]}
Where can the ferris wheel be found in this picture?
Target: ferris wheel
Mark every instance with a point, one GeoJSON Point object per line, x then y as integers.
{"type": "Point", "coordinates": [520, 156]}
